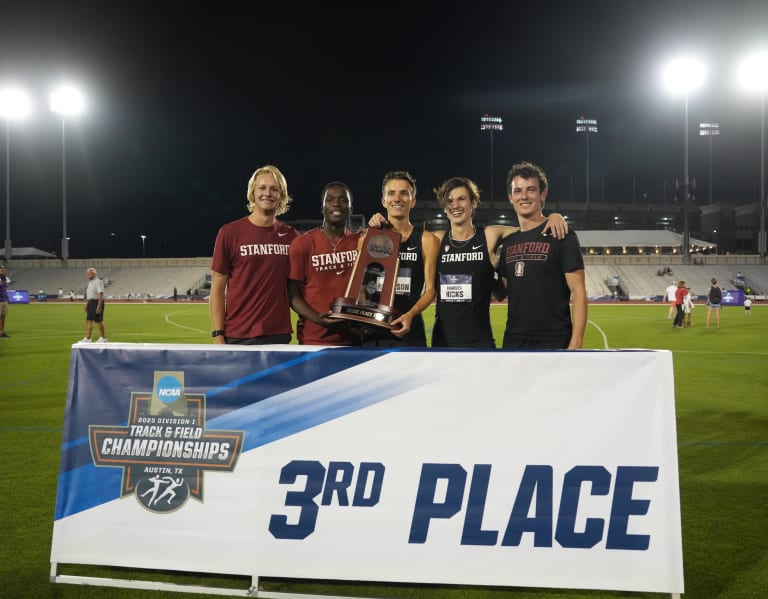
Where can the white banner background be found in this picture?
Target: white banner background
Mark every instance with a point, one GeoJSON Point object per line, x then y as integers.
{"type": "Point", "coordinates": [507, 410]}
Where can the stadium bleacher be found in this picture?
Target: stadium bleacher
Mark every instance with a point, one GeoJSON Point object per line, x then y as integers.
{"type": "Point", "coordinates": [638, 278]}
{"type": "Point", "coordinates": [120, 283]}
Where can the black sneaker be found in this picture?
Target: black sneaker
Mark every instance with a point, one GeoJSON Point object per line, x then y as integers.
{"type": "Point", "coordinates": [5, 335]}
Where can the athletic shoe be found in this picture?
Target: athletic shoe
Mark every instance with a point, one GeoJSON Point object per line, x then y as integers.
{"type": "Point", "coordinates": [5, 335]}
{"type": "Point", "coordinates": [85, 340]}
{"type": "Point", "coordinates": [101, 340]}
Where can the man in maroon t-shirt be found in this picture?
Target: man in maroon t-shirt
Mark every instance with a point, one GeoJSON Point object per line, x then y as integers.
{"type": "Point", "coordinates": [249, 270]}
{"type": "Point", "coordinates": [321, 262]}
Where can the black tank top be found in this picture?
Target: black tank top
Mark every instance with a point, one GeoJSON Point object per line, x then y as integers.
{"type": "Point", "coordinates": [409, 287]}
{"type": "Point", "coordinates": [463, 281]}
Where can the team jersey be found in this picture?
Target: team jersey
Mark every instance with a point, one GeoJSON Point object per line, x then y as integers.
{"type": "Point", "coordinates": [408, 290]}
{"type": "Point", "coordinates": [256, 261]}
{"type": "Point", "coordinates": [464, 280]}
{"type": "Point", "coordinates": [538, 297]}
{"type": "Point", "coordinates": [323, 268]}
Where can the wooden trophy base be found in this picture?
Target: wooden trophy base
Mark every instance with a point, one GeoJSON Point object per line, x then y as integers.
{"type": "Point", "coordinates": [376, 316]}
{"type": "Point", "coordinates": [371, 288]}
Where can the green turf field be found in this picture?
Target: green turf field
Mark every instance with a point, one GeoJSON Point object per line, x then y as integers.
{"type": "Point", "coordinates": [721, 385]}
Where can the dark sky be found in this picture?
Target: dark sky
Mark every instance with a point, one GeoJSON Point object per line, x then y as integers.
{"type": "Point", "coordinates": [188, 98]}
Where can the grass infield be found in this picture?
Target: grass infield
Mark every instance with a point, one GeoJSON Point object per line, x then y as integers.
{"type": "Point", "coordinates": [721, 389]}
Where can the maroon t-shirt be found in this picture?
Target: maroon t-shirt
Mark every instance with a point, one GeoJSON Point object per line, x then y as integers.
{"type": "Point", "coordinates": [323, 269]}
{"type": "Point", "coordinates": [256, 261]}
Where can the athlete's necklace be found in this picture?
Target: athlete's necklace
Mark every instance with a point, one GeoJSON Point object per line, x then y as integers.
{"type": "Point", "coordinates": [460, 243]}
{"type": "Point", "coordinates": [331, 243]}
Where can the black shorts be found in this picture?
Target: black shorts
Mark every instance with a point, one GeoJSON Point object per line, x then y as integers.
{"type": "Point", "coordinates": [90, 311]}
{"type": "Point", "coordinates": [529, 343]}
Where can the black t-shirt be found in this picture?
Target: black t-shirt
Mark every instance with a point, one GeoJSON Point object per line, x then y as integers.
{"type": "Point", "coordinates": [538, 297]}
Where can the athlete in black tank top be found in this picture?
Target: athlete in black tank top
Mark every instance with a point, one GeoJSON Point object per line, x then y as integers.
{"type": "Point", "coordinates": [464, 282]}
{"type": "Point", "coordinates": [410, 284]}
{"type": "Point", "coordinates": [415, 288]}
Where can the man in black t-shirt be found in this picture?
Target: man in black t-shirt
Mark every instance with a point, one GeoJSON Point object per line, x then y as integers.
{"type": "Point", "coordinates": [542, 274]}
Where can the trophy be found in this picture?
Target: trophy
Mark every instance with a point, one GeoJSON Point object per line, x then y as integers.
{"type": "Point", "coordinates": [371, 289]}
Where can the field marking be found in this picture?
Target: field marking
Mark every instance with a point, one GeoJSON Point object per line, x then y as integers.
{"type": "Point", "coordinates": [602, 334]}
{"type": "Point", "coordinates": [722, 443]}
{"type": "Point", "coordinates": [181, 326]}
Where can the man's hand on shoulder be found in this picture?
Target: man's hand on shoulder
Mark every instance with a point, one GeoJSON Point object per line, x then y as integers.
{"type": "Point", "coordinates": [378, 221]}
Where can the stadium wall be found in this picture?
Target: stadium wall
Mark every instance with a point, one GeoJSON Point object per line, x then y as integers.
{"type": "Point", "coordinates": [651, 260]}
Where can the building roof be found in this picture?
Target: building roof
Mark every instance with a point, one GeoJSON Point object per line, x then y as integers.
{"type": "Point", "coordinates": [27, 252]}
{"type": "Point", "coordinates": [636, 238]}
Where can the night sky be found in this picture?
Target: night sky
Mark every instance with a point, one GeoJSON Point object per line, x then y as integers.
{"type": "Point", "coordinates": [187, 99]}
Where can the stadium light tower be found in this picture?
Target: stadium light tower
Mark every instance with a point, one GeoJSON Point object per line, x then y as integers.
{"type": "Point", "coordinates": [14, 105]}
{"type": "Point", "coordinates": [143, 246]}
{"type": "Point", "coordinates": [66, 101]}
{"type": "Point", "coordinates": [681, 77]}
{"type": "Point", "coordinates": [586, 126]}
{"type": "Point", "coordinates": [753, 73]}
{"type": "Point", "coordinates": [491, 123]}
{"type": "Point", "coordinates": [710, 130]}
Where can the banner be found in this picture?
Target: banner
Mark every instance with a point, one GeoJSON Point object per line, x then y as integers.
{"type": "Point", "coordinates": [542, 469]}
{"type": "Point", "coordinates": [18, 296]}
{"type": "Point", "coordinates": [733, 297]}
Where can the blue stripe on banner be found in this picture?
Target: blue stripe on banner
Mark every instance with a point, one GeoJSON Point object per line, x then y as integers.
{"type": "Point", "coordinates": [287, 396]}
{"type": "Point", "coordinates": [218, 374]}
{"type": "Point", "coordinates": [299, 409]}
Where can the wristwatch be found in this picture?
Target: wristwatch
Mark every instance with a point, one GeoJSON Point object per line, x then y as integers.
{"type": "Point", "coordinates": [217, 332]}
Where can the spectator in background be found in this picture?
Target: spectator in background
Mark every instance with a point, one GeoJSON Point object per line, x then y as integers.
{"type": "Point", "coordinates": [669, 297]}
{"type": "Point", "coordinates": [94, 307]}
{"type": "Point", "coordinates": [688, 308]}
{"type": "Point", "coordinates": [249, 270]}
{"type": "Point", "coordinates": [72, 295]}
{"type": "Point", "coordinates": [4, 281]}
{"type": "Point", "coordinates": [680, 298]}
{"type": "Point", "coordinates": [747, 306]}
{"type": "Point", "coordinates": [175, 294]}
{"type": "Point", "coordinates": [714, 298]}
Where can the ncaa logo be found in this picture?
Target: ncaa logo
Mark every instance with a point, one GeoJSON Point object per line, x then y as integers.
{"type": "Point", "coordinates": [168, 389]}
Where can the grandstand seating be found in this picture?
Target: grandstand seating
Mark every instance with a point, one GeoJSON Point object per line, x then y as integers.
{"type": "Point", "coordinates": [145, 282]}
{"type": "Point", "coordinates": [638, 281]}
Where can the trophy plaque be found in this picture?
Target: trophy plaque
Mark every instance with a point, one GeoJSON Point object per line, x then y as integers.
{"type": "Point", "coordinates": [371, 288]}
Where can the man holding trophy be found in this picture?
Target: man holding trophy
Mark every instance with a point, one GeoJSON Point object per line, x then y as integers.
{"type": "Point", "coordinates": [321, 262]}
{"type": "Point", "coordinates": [414, 279]}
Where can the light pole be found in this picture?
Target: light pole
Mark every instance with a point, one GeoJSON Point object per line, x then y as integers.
{"type": "Point", "coordinates": [710, 130]}
{"type": "Point", "coordinates": [586, 126]}
{"type": "Point", "coordinates": [143, 247]}
{"type": "Point", "coordinates": [753, 73]}
{"type": "Point", "coordinates": [491, 123]}
{"type": "Point", "coordinates": [682, 76]}
{"type": "Point", "coordinates": [66, 101]}
{"type": "Point", "coordinates": [14, 104]}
